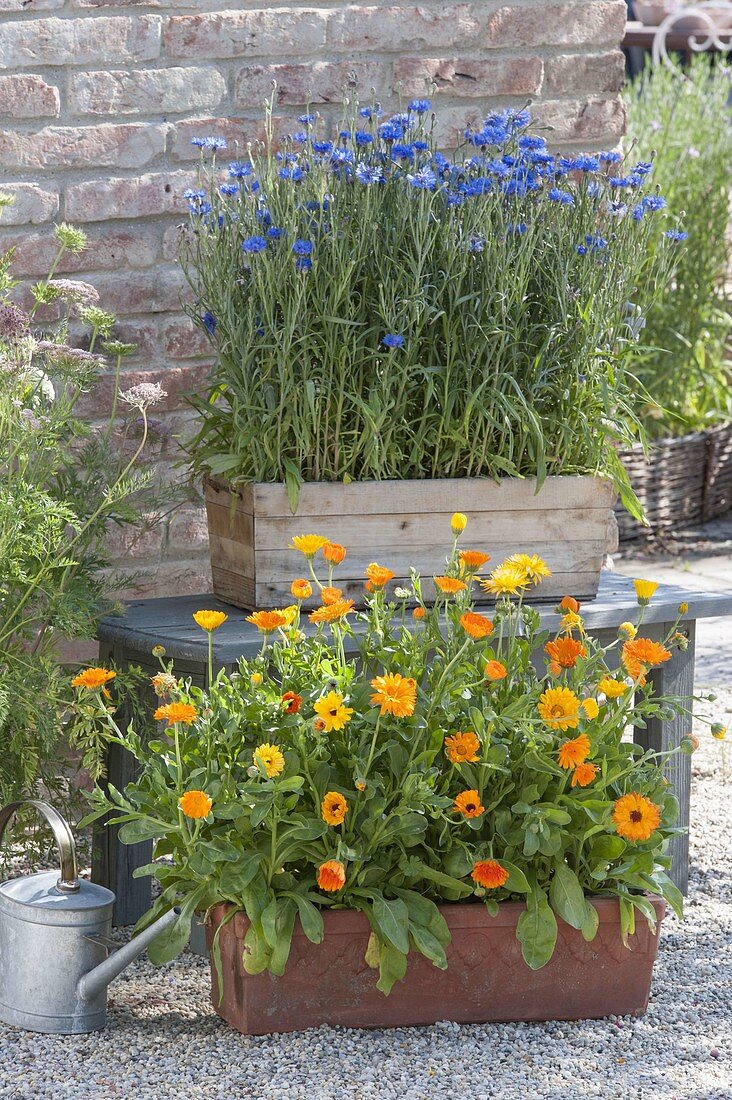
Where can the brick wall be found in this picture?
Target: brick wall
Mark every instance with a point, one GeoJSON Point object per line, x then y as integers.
{"type": "Point", "coordinates": [99, 100]}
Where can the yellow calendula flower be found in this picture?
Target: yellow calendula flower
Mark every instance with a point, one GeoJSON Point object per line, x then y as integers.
{"type": "Point", "coordinates": [301, 589]}
{"type": "Point", "coordinates": [270, 758]}
{"type": "Point", "coordinates": [644, 590]}
{"type": "Point", "coordinates": [458, 522]}
{"type": "Point", "coordinates": [635, 817]}
{"type": "Point", "coordinates": [462, 748]}
{"type": "Point", "coordinates": [308, 544]}
{"type": "Point", "coordinates": [333, 808]}
{"type": "Point", "coordinates": [560, 708]}
{"type": "Point", "coordinates": [395, 694]}
{"type": "Point", "coordinates": [718, 731]}
{"type": "Point", "coordinates": [256, 679]}
{"type": "Point", "coordinates": [534, 566]}
{"type": "Point", "coordinates": [571, 621]}
{"type": "Point", "coordinates": [93, 678]}
{"type": "Point", "coordinates": [627, 630]}
{"type": "Point", "coordinates": [612, 689]}
{"type": "Point", "coordinates": [210, 620]}
{"type": "Point", "coordinates": [591, 708]}
{"type": "Point", "coordinates": [507, 579]}
{"type": "Point", "coordinates": [332, 712]}
{"type": "Point", "coordinates": [449, 585]}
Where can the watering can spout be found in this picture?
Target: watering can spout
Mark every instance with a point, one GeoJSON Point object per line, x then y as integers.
{"type": "Point", "coordinates": [96, 981]}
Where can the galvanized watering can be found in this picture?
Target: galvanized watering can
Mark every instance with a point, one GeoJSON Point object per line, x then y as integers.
{"type": "Point", "coordinates": [55, 961]}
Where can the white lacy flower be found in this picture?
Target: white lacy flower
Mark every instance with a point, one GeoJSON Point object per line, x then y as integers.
{"type": "Point", "coordinates": [144, 395]}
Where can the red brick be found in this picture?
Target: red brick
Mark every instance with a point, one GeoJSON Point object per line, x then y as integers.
{"type": "Point", "coordinates": [109, 250]}
{"type": "Point", "coordinates": [30, 43]}
{"type": "Point", "coordinates": [579, 73]}
{"type": "Point", "coordinates": [593, 122]}
{"type": "Point", "coordinates": [184, 340]}
{"type": "Point", "coordinates": [143, 333]}
{"type": "Point", "coordinates": [403, 28]}
{"type": "Point", "coordinates": [23, 5]}
{"type": "Point", "coordinates": [469, 78]}
{"type": "Point", "coordinates": [237, 131]}
{"type": "Point", "coordinates": [109, 146]}
{"type": "Point", "coordinates": [28, 96]}
{"type": "Point", "coordinates": [275, 32]}
{"type": "Point", "coordinates": [146, 91]}
{"type": "Point", "coordinates": [188, 531]}
{"type": "Point", "coordinates": [453, 121]}
{"type": "Point", "coordinates": [180, 578]}
{"type": "Point", "coordinates": [32, 205]}
{"type": "Point", "coordinates": [137, 197]}
{"type": "Point", "coordinates": [176, 381]}
{"type": "Point", "coordinates": [125, 543]}
{"type": "Point", "coordinates": [152, 291]}
{"type": "Point", "coordinates": [317, 82]}
{"type": "Point", "coordinates": [539, 25]}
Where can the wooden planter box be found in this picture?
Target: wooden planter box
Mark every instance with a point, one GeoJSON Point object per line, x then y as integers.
{"type": "Point", "coordinates": [399, 524]}
{"type": "Point", "coordinates": [486, 979]}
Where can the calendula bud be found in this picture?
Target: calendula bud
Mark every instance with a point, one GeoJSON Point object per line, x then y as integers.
{"type": "Point", "coordinates": [681, 641]}
{"type": "Point", "coordinates": [418, 613]}
{"type": "Point", "coordinates": [402, 593]}
{"type": "Point", "coordinates": [688, 745]}
{"type": "Point", "coordinates": [256, 678]}
{"type": "Point", "coordinates": [458, 523]}
{"type": "Point", "coordinates": [719, 732]}
{"type": "Point", "coordinates": [360, 784]}
{"type": "Point", "coordinates": [683, 608]}
{"type": "Point", "coordinates": [627, 630]}
{"type": "Point", "coordinates": [568, 603]}
{"type": "Point", "coordinates": [158, 651]}
{"type": "Point", "coordinates": [252, 772]}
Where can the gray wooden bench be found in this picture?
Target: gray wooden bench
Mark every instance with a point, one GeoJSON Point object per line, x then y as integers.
{"type": "Point", "coordinates": [129, 638]}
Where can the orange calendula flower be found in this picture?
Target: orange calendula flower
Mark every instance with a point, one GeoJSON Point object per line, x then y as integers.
{"type": "Point", "coordinates": [458, 523]}
{"type": "Point", "coordinates": [334, 553]}
{"type": "Point", "coordinates": [574, 752]}
{"type": "Point", "coordinates": [473, 559]}
{"type": "Point", "coordinates": [507, 579]}
{"type": "Point", "coordinates": [418, 613]}
{"type": "Point", "coordinates": [495, 670]}
{"type": "Point", "coordinates": [331, 876]}
{"type": "Point", "coordinates": [301, 589]}
{"type": "Point", "coordinates": [640, 654]}
{"type": "Point", "coordinates": [268, 621]}
{"type": "Point", "coordinates": [489, 874]}
{"type": "Point", "coordinates": [330, 708]}
{"type": "Point", "coordinates": [395, 694]}
{"type": "Point", "coordinates": [173, 713]}
{"type": "Point", "coordinates": [462, 748]}
{"type": "Point", "coordinates": [93, 678]}
{"type": "Point", "coordinates": [559, 707]}
{"type": "Point", "coordinates": [534, 566]}
{"type": "Point", "coordinates": [591, 708]}
{"type": "Point", "coordinates": [378, 575]}
{"type": "Point", "coordinates": [636, 817]}
{"type": "Point", "coordinates": [565, 651]}
{"type": "Point", "coordinates": [569, 603]}
{"type": "Point", "coordinates": [163, 683]}
{"type": "Point", "coordinates": [331, 595]}
{"type": "Point", "coordinates": [476, 625]}
{"type": "Point", "coordinates": [195, 804]}
{"type": "Point", "coordinates": [450, 586]}
{"type": "Point", "coordinates": [270, 758]}
{"type": "Point", "coordinates": [333, 808]}
{"type": "Point", "coordinates": [644, 591]}
{"type": "Point", "coordinates": [291, 702]}
{"type": "Point", "coordinates": [554, 668]}
{"type": "Point", "coordinates": [583, 774]}
{"type": "Point", "coordinates": [308, 544]}
{"type": "Point", "coordinates": [330, 613]}
{"type": "Point", "coordinates": [612, 689]}
{"type": "Point", "coordinates": [468, 804]}
{"type": "Point", "coordinates": [210, 620]}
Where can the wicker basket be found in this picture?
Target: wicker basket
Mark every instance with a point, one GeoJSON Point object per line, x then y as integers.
{"type": "Point", "coordinates": [683, 481]}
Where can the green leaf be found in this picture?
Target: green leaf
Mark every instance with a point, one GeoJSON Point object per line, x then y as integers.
{"type": "Point", "coordinates": [627, 919]}
{"type": "Point", "coordinates": [143, 829]}
{"type": "Point", "coordinates": [671, 893]}
{"type": "Point", "coordinates": [607, 848]}
{"type": "Point", "coordinates": [174, 938]}
{"type": "Point", "coordinates": [392, 967]}
{"type": "Point", "coordinates": [311, 919]}
{"type": "Point", "coordinates": [567, 896]}
{"type": "Point", "coordinates": [516, 882]}
{"type": "Point", "coordinates": [392, 921]}
{"type": "Point", "coordinates": [235, 877]}
{"type": "Point", "coordinates": [591, 923]}
{"type": "Point", "coordinates": [287, 911]}
{"type": "Point", "coordinates": [428, 945]}
{"type": "Point", "coordinates": [536, 931]}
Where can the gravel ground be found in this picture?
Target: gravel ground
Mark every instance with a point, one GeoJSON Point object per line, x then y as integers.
{"type": "Point", "coordinates": [163, 1040]}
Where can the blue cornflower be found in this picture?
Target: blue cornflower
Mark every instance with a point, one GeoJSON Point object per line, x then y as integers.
{"type": "Point", "coordinates": [305, 120]}
{"type": "Point", "coordinates": [391, 131]}
{"type": "Point", "coordinates": [274, 232]}
{"type": "Point", "coordinates": [371, 112]}
{"type": "Point", "coordinates": [517, 230]}
{"type": "Point", "coordinates": [302, 248]}
{"type": "Point", "coordinates": [595, 243]}
{"type": "Point", "coordinates": [441, 161]}
{"type": "Point", "coordinates": [620, 181]}
{"type": "Point", "coordinates": [200, 143]}
{"type": "Point", "coordinates": [420, 146]}
{"type": "Point", "coordinates": [342, 156]}
{"type": "Point", "coordinates": [393, 340]}
{"type": "Point", "coordinates": [210, 143]}
{"type": "Point", "coordinates": [676, 235]}
{"type": "Point", "coordinates": [654, 202]}
{"type": "Point", "coordinates": [369, 173]}
{"type": "Point", "coordinates": [477, 244]}
{"type": "Point", "coordinates": [404, 152]}
{"type": "Point", "coordinates": [421, 106]}
{"type": "Point", "coordinates": [229, 188]}
{"type": "Point", "coordinates": [489, 135]}
{"type": "Point", "coordinates": [617, 209]}
{"type": "Point", "coordinates": [593, 189]}
{"type": "Point", "coordinates": [581, 250]}
{"type": "Point", "coordinates": [322, 146]}
{"type": "Point", "coordinates": [254, 244]}
{"type": "Point", "coordinates": [639, 212]}
{"type": "Point", "coordinates": [584, 163]}
{"type": "Point", "coordinates": [300, 137]}
{"type": "Point", "coordinates": [528, 143]}
{"type": "Point", "coordinates": [303, 263]}
{"type": "Point", "coordinates": [363, 138]}
{"type": "Point", "coordinates": [424, 180]}
{"type": "Point", "coordinates": [193, 194]}
{"type": "Point", "coordinates": [200, 208]}
{"type": "Point", "coordinates": [209, 322]}
{"type": "Point", "coordinates": [643, 168]}
{"type": "Point", "coordinates": [609, 158]}
{"type": "Point", "coordinates": [237, 170]}
{"type": "Point", "coordinates": [295, 174]}
{"type": "Point", "coordinates": [563, 197]}
{"type": "Point", "coordinates": [481, 185]}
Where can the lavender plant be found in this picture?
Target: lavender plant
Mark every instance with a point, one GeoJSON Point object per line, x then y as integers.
{"type": "Point", "coordinates": [380, 310]}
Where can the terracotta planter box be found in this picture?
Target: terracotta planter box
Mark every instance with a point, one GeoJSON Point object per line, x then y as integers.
{"type": "Point", "coordinates": [569, 522]}
{"type": "Point", "coordinates": [486, 980]}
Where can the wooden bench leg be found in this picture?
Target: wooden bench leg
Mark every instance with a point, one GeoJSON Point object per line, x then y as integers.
{"type": "Point", "coordinates": [676, 677]}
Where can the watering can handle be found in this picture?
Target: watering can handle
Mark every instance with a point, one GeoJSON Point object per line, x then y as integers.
{"type": "Point", "coordinates": [68, 882]}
